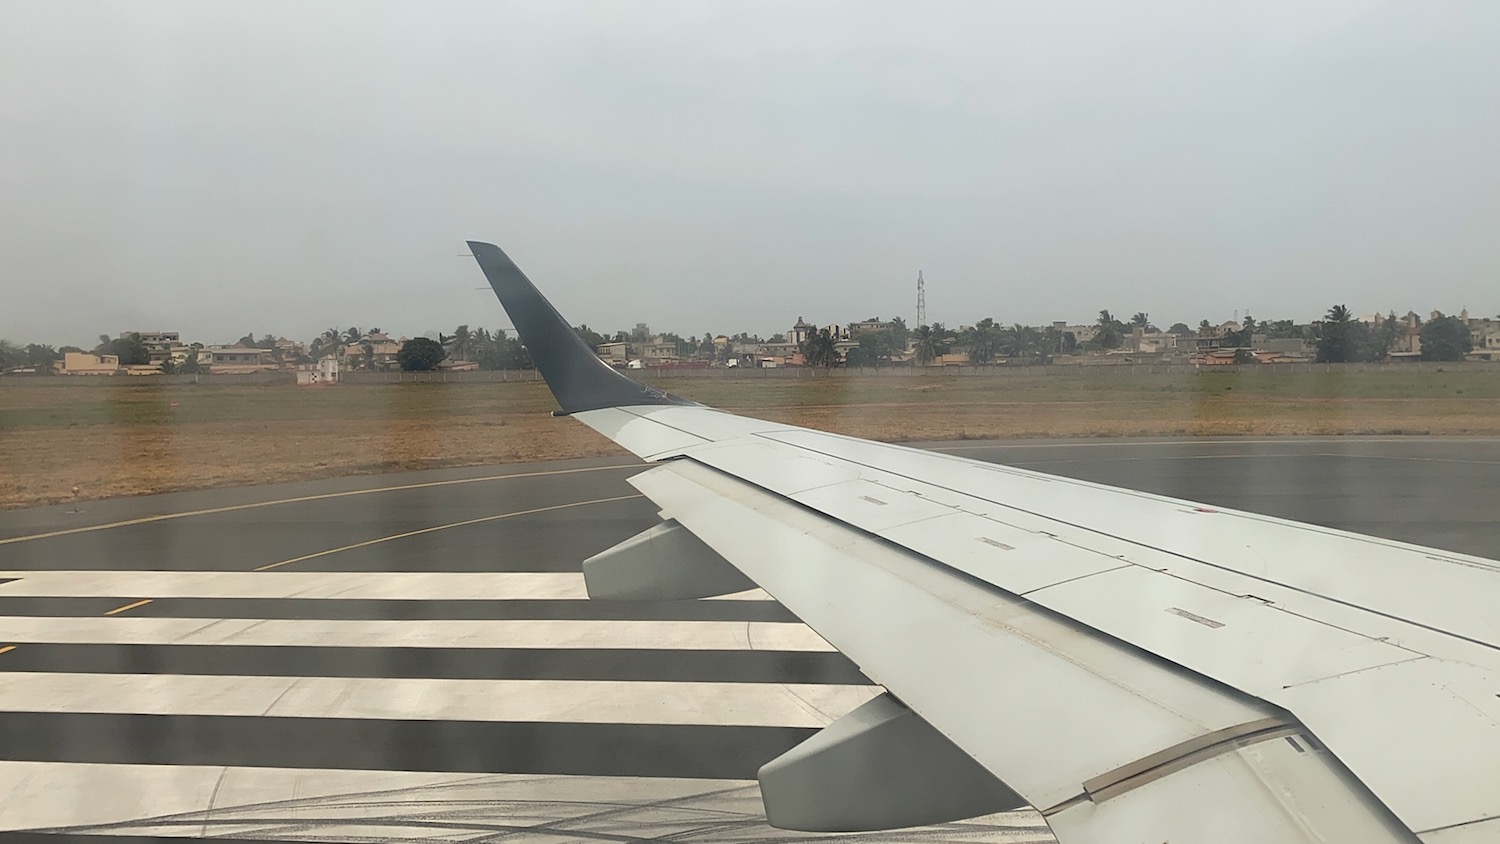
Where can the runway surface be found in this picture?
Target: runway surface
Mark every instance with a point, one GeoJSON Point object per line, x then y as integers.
{"type": "Point", "coordinates": [413, 656]}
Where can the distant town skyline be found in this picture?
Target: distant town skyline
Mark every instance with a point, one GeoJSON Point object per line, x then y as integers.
{"type": "Point", "coordinates": [189, 336]}
{"type": "Point", "coordinates": [221, 167]}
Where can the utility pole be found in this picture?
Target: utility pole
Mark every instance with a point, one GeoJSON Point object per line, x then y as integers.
{"type": "Point", "coordinates": [921, 300]}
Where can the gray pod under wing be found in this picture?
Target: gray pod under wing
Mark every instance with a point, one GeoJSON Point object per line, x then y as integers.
{"type": "Point", "coordinates": [662, 563]}
{"type": "Point", "coordinates": [878, 767]}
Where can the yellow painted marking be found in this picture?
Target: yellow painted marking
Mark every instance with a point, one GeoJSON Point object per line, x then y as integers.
{"type": "Point", "coordinates": [369, 542]}
{"type": "Point", "coordinates": [118, 610]}
{"type": "Point", "coordinates": [7, 649]}
{"type": "Point", "coordinates": [166, 516]}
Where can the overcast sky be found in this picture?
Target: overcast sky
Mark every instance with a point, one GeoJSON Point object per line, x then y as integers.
{"type": "Point", "coordinates": [283, 167]}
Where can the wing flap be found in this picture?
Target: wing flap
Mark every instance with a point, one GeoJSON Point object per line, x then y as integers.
{"type": "Point", "coordinates": [1044, 686]}
{"type": "Point", "coordinates": [1047, 707]}
{"type": "Point", "coordinates": [1269, 787]}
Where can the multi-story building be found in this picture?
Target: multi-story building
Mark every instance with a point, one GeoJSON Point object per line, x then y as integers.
{"type": "Point", "coordinates": [800, 332]}
{"type": "Point", "coordinates": [871, 324]}
{"type": "Point", "coordinates": [159, 344]}
{"type": "Point", "coordinates": [1082, 333]}
{"type": "Point", "coordinates": [659, 350]}
{"type": "Point", "coordinates": [1484, 336]}
{"type": "Point", "coordinates": [614, 354]}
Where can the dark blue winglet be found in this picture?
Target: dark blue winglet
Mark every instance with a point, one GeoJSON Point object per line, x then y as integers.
{"type": "Point", "coordinates": [577, 377]}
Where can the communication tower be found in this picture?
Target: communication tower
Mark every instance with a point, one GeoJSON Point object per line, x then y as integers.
{"type": "Point", "coordinates": [921, 300]}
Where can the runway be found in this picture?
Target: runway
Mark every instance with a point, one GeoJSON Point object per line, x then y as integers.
{"type": "Point", "coordinates": [387, 658]}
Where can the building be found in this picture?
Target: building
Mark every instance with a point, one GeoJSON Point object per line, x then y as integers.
{"type": "Point", "coordinates": [1082, 333]}
{"type": "Point", "coordinates": [377, 355]}
{"type": "Point", "coordinates": [226, 360]}
{"type": "Point", "coordinates": [871, 324]}
{"type": "Point", "coordinates": [1484, 336]}
{"type": "Point", "coordinates": [1141, 341]}
{"type": "Point", "coordinates": [325, 371]}
{"type": "Point", "coordinates": [84, 363]}
{"type": "Point", "coordinates": [614, 354]}
{"type": "Point", "coordinates": [800, 332]}
{"type": "Point", "coordinates": [1282, 349]}
{"type": "Point", "coordinates": [290, 350]}
{"type": "Point", "coordinates": [159, 344]}
{"type": "Point", "coordinates": [659, 350]}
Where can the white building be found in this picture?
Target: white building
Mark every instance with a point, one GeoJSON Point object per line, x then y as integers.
{"type": "Point", "coordinates": [325, 371]}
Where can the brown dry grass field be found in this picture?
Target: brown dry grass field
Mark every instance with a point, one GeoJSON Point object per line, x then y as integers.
{"type": "Point", "coordinates": [126, 437]}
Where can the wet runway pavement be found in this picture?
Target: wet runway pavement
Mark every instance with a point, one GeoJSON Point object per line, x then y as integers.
{"type": "Point", "coordinates": [403, 656]}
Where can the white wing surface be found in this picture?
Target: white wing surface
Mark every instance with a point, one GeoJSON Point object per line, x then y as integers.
{"type": "Point", "coordinates": [1138, 668]}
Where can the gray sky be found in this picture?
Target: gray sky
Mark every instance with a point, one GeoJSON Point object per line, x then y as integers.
{"type": "Point", "coordinates": [282, 167]}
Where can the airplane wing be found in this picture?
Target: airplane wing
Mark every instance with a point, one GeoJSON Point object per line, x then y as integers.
{"type": "Point", "coordinates": [1138, 668]}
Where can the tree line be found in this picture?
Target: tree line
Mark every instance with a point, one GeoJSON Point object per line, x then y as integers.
{"type": "Point", "coordinates": [1338, 338]}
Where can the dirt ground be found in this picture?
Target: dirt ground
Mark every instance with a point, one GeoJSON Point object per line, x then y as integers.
{"type": "Point", "coordinates": [127, 438]}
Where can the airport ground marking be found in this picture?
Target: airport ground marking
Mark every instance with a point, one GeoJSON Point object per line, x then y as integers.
{"type": "Point", "coordinates": [301, 498]}
{"type": "Point", "coordinates": [479, 520]}
{"type": "Point", "coordinates": [127, 607]}
{"type": "Point", "coordinates": [1352, 439]}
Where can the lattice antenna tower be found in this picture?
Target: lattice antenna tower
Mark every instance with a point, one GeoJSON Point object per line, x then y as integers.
{"type": "Point", "coordinates": [921, 300]}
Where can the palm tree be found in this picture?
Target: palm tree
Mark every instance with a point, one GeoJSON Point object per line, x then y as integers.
{"type": "Point", "coordinates": [1336, 343]}
{"type": "Point", "coordinates": [332, 342]}
{"type": "Point", "coordinates": [1023, 341]}
{"type": "Point", "coordinates": [1110, 330]}
{"type": "Point", "coordinates": [985, 341]}
{"type": "Point", "coordinates": [820, 348]}
{"type": "Point", "coordinates": [1141, 320]}
{"type": "Point", "coordinates": [461, 343]}
{"type": "Point", "coordinates": [352, 335]}
{"type": "Point", "coordinates": [927, 344]}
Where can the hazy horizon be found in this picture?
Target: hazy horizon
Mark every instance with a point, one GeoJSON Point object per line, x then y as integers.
{"type": "Point", "coordinates": [189, 336]}
{"type": "Point", "coordinates": [282, 168]}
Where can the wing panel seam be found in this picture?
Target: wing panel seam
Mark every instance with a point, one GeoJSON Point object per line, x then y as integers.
{"type": "Point", "coordinates": [1177, 554]}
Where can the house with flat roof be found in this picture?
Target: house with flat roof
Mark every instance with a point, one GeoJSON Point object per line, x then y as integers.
{"type": "Point", "coordinates": [86, 363]}
{"type": "Point", "coordinates": [228, 360]}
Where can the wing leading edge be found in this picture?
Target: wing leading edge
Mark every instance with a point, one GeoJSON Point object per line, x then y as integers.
{"type": "Point", "coordinates": [1103, 653]}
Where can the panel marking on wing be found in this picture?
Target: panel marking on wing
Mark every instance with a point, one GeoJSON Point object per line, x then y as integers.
{"type": "Point", "coordinates": [1396, 725]}
{"type": "Point", "coordinates": [641, 437]}
{"type": "Point", "coordinates": [1016, 560]}
{"type": "Point", "coordinates": [788, 473]}
{"type": "Point", "coordinates": [856, 502]}
{"type": "Point", "coordinates": [1356, 570]}
{"type": "Point", "coordinates": [1241, 642]}
{"type": "Point", "coordinates": [1055, 706]}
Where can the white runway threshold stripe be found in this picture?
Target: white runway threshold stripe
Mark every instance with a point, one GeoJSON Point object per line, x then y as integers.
{"type": "Point", "coordinates": [543, 633]}
{"type": "Point", "coordinates": [430, 586]}
{"type": "Point", "coordinates": [549, 701]}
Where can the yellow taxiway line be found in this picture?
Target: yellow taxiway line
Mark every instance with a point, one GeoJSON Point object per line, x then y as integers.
{"type": "Point", "coordinates": [118, 610]}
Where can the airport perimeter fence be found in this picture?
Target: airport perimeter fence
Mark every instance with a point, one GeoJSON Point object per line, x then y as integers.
{"type": "Point", "coordinates": [653, 373]}
{"type": "Point", "coordinates": [1057, 370]}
